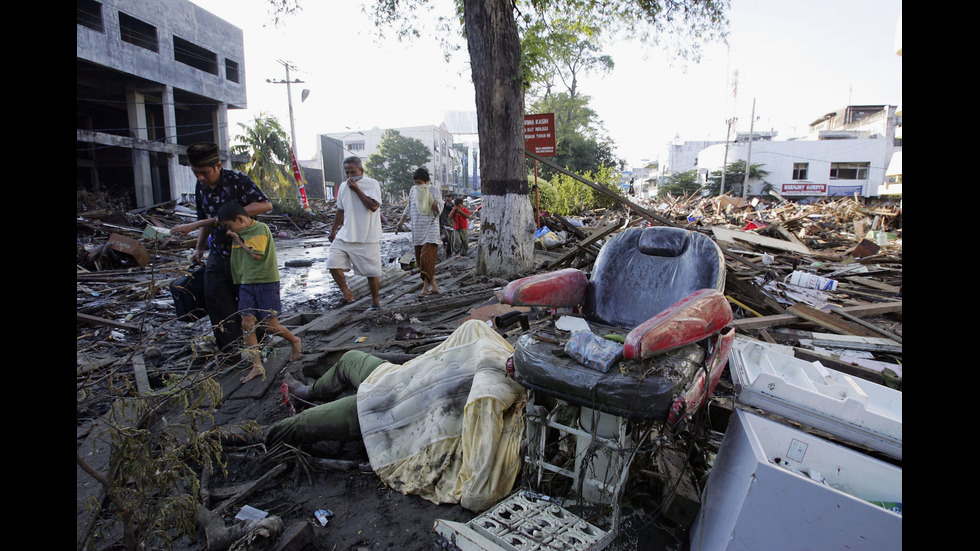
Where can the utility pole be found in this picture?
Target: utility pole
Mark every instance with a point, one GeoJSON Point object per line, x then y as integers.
{"type": "Point", "coordinates": [724, 164]}
{"type": "Point", "coordinates": [300, 188]}
{"type": "Point", "coordinates": [748, 155]}
{"type": "Point", "coordinates": [289, 95]}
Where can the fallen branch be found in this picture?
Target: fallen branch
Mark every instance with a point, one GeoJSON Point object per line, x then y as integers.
{"type": "Point", "coordinates": [218, 536]}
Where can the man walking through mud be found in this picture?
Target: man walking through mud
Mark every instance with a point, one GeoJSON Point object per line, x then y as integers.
{"type": "Point", "coordinates": [216, 186]}
{"type": "Point", "coordinates": [356, 235]}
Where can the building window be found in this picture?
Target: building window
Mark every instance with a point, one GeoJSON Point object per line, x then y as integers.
{"type": "Point", "coordinates": [195, 56]}
{"type": "Point", "coordinates": [355, 146]}
{"type": "Point", "coordinates": [137, 32]}
{"type": "Point", "coordinates": [231, 71]}
{"type": "Point", "coordinates": [799, 170]}
{"type": "Point", "coordinates": [89, 14]}
{"type": "Point", "coordinates": [849, 171]}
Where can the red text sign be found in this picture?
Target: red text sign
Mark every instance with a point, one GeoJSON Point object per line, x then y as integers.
{"type": "Point", "coordinates": [539, 134]}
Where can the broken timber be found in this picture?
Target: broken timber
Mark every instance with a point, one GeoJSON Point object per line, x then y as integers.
{"type": "Point", "coordinates": [787, 319]}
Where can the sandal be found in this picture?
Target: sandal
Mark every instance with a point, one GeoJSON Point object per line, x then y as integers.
{"type": "Point", "coordinates": [344, 302]}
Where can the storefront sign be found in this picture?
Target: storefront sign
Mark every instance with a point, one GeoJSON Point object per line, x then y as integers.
{"type": "Point", "coordinates": [803, 188]}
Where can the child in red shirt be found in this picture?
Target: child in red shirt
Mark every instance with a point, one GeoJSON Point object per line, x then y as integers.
{"type": "Point", "coordinates": [460, 216]}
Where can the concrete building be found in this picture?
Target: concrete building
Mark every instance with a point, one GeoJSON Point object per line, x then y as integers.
{"type": "Point", "coordinates": [683, 155]}
{"type": "Point", "coordinates": [466, 138]}
{"type": "Point", "coordinates": [846, 153]}
{"type": "Point", "coordinates": [893, 176]}
{"type": "Point", "coordinates": [445, 160]}
{"type": "Point", "coordinates": [645, 179]}
{"type": "Point", "coordinates": [152, 78]}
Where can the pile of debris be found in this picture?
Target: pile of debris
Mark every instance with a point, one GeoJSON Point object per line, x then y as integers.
{"type": "Point", "coordinates": [793, 269]}
{"type": "Point", "coordinates": [823, 280]}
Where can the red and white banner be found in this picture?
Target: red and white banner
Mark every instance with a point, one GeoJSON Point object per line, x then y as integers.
{"type": "Point", "coordinates": [299, 181]}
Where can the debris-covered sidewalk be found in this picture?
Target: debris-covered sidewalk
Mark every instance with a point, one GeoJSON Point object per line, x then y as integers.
{"type": "Point", "coordinates": [822, 281]}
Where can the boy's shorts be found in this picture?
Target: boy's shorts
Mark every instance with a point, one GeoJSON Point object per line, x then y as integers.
{"type": "Point", "coordinates": [260, 300]}
{"type": "Point", "coordinates": [364, 258]}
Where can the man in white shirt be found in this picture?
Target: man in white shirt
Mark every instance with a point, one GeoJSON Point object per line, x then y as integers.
{"type": "Point", "coordinates": [356, 235]}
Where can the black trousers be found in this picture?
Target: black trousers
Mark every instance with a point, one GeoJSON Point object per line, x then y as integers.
{"type": "Point", "coordinates": [221, 297]}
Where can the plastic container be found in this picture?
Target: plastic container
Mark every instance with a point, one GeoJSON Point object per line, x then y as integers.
{"type": "Point", "coordinates": [811, 281]}
{"type": "Point", "coordinates": [775, 487]}
{"type": "Point", "coordinates": [856, 410]}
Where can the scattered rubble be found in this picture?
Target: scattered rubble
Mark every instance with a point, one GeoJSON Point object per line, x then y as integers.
{"type": "Point", "coordinates": [125, 316]}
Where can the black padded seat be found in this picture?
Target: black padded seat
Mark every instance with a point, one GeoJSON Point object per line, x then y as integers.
{"type": "Point", "coordinates": [638, 274]}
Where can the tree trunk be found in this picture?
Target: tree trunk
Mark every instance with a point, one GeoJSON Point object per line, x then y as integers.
{"type": "Point", "coordinates": [507, 228]}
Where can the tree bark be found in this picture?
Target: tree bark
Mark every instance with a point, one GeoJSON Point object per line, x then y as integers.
{"type": "Point", "coordinates": [506, 242]}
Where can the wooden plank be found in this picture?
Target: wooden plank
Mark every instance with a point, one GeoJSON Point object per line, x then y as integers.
{"type": "Point", "coordinates": [851, 342]}
{"type": "Point", "coordinates": [86, 318]}
{"type": "Point", "coordinates": [867, 325]}
{"type": "Point", "coordinates": [828, 321]}
{"type": "Point", "coordinates": [139, 370]}
{"type": "Point", "coordinates": [580, 246]}
{"type": "Point", "coordinates": [873, 283]}
{"type": "Point", "coordinates": [787, 319]}
{"type": "Point", "coordinates": [733, 236]}
{"type": "Point", "coordinates": [645, 213]}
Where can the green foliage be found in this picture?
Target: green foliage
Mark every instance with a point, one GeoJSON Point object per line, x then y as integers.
{"type": "Point", "coordinates": [734, 176]}
{"type": "Point", "coordinates": [581, 154]}
{"type": "Point", "coordinates": [570, 196]}
{"type": "Point", "coordinates": [547, 195]}
{"type": "Point", "coordinates": [270, 161]}
{"type": "Point", "coordinates": [558, 50]}
{"type": "Point", "coordinates": [397, 158]}
{"type": "Point", "coordinates": [679, 183]}
{"type": "Point", "coordinates": [158, 445]}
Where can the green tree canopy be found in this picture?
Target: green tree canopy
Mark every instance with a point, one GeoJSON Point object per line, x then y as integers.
{"type": "Point", "coordinates": [558, 50]}
{"type": "Point", "coordinates": [397, 158]}
{"type": "Point", "coordinates": [270, 163]}
{"type": "Point", "coordinates": [734, 176]}
{"type": "Point", "coordinates": [565, 195]}
{"type": "Point", "coordinates": [679, 183]}
{"type": "Point", "coordinates": [501, 71]}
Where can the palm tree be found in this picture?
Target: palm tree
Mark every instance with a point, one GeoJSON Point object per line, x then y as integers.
{"type": "Point", "coordinates": [270, 163]}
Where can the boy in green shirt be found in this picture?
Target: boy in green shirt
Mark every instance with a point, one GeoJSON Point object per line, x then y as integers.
{"type": "Point", "coordinates": [255, 270]}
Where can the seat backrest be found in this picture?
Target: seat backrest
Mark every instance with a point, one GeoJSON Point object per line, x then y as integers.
{"type": "Point", "coordinates": [642, 271]}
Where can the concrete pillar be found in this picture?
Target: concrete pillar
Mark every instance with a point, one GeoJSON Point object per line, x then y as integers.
{"type": "Point", "coordinates": [141, 158]}
{"type": "Point", "coordinates": [221, 134]}
{"type": "Point", "coordinates": [170, 131]}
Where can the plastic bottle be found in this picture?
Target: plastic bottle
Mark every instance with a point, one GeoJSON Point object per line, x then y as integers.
{"type": "Point", "coordinates": [811, 281]}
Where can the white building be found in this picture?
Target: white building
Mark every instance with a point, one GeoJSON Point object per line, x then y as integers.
{"type": "Point", "coordinates": [466, 138]}
{"type": "Point", "coordinates": [445, 160]}
{"type": "Point", "coordinates": [846, 152]}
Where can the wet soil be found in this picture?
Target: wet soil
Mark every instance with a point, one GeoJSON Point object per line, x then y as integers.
{"type": "Point", "coordinates": [365, 514]}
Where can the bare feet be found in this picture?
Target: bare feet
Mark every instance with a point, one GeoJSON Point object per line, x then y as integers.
{"type": "Point", "coordinates": [257, 370]}
{"type": "Point", "coordinates": [297, 350]}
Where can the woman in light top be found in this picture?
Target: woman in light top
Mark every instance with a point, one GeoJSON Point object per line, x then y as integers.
{"type": "Point", "coordinates": [424, 207]}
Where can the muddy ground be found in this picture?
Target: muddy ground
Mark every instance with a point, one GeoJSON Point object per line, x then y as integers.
{"type": "Point", "coordinates": [365, 513]}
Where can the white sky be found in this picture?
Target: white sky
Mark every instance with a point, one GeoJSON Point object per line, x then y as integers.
{"type": "Point", "coordinates": [798, 60]}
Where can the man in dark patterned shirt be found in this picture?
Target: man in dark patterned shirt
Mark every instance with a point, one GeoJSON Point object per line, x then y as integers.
{"type": "Point", "coordinates": [215, 186]}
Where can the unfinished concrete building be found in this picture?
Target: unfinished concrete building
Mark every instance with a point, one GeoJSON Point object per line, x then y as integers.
{"type": "Point", "coordinates": [152, 78]}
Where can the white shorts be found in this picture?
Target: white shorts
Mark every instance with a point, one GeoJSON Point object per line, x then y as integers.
{"type": "Point", "coordinates": [364, 258]}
